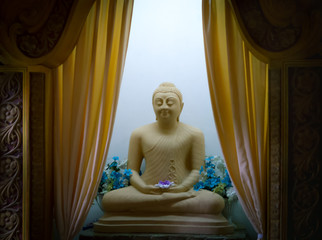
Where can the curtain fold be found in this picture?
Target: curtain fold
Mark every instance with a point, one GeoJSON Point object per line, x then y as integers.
{"type": "Point", "coordinates": [238, 84]}
{"type": "Point", "coordinates": [86, 95]}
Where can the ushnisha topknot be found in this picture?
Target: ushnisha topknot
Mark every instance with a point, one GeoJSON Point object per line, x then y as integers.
{"type": "Point", "coordinates": [168, 87]}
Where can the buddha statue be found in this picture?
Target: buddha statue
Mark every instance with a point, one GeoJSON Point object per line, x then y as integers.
{"type": "Point", "coordinates": [173, 152]}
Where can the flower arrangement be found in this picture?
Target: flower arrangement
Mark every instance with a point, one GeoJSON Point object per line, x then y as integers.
{"type": "Point", "coordinates": [214, 177]}
{"type": "Point", "coordinates": [115, 176]}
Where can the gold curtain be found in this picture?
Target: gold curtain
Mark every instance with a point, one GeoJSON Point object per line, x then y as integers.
{"type": "Point", "coordinates": [238, 84]}
{"type": "Point", "coordinates": [86, 94]}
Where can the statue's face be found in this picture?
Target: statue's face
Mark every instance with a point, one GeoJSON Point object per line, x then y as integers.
{"type": "Point", "coordinates": [167, 106]}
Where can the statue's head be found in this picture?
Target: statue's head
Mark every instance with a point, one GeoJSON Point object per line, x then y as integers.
{"type": "Point", "coordinates": [167, 101]}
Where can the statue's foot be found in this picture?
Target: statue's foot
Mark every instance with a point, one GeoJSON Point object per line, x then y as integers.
{"type": "Point", "coordinates": [177, 196]}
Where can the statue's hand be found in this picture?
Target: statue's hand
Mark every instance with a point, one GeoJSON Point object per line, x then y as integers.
{"type": "Point", "coordinates": [151, 189]}
{"type": "Point", "coordinates": [177, 189]}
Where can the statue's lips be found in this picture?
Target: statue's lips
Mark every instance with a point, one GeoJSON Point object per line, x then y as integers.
{"type": "Point", "coordinates": [164, 113]}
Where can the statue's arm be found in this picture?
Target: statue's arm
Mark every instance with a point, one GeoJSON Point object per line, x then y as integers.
{"type": "Point", "coordinates": [188, 183]}
{"type": "Point", "coordinates": [197, 158]}
{"type": "Point", "coordinates": [135, 157]}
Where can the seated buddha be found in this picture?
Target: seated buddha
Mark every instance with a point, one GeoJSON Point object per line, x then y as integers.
{"type": "Point", "coordinates": [174, 152]}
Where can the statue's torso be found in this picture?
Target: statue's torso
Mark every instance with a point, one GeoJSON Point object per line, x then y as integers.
{"type": "Point", "coordinates": [167, 156]}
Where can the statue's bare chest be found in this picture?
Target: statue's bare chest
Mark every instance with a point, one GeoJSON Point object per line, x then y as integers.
{"type": "Point", "coordinates": [167, 156]}
{"type": "Point", "coordinates": [173, 143]}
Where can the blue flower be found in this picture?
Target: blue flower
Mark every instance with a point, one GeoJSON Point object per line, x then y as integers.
{"type": "Point", "coordinates": [201, 170]}
{"type": "Point", "coordinates": [115, 175]}
{"type": "Point", "coordinates": [214, 177]}
{"type": "Point", "coordinates": [199, 185]}
{"type": "Point", "coordinates": [208, 163]}
{"type": "Point", "coordinates": [210, 172]}
{"type": "Point", "coordinates": [104, 177]}
{"type": "Point", "coordinates": [117, 184]}
{"type": "Point", "coordinates": [212, 182]}
{"type": "Point", "coordinates": [127, 173]}
{"type": "Point", "coordinates": [113, 164]}
{"type": "Point", "coordinates": [227, 180]}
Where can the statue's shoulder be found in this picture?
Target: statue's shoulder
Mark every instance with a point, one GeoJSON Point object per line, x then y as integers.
{"type": "Point", "coordinates": [143, 129]}
{"type": "Point", "coordinates": [192, 130]}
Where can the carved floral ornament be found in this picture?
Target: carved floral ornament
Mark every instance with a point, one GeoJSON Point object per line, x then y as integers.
{"type": "Point", "coordinates": [305, 150]}
{"type": "Point", "coordinates": [281, 29]}
{"type": "Point", "coordinates": [40, 31]}
{"type": "Point", "coordinates": [11, 155]}
{"type": "Point", "coordinates": [45, 31]}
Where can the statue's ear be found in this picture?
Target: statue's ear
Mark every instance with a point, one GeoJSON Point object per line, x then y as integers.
{"type": "Point", "coordinates": [181, 107]}
{"type": "Point", "coordinates": [180, 111]}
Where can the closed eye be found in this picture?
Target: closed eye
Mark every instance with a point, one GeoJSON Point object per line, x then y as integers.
{"type": "Point", "coordinates": [159, 102]}
{"type": "Point", "coordinates": [170, 101]}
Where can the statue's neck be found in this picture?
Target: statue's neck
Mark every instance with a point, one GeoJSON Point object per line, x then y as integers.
{"type": "Point", "coordinates": [167, 127]}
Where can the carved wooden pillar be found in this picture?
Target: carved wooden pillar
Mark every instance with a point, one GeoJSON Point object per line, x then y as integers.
{"type": "Point", "coordinates": [275, 153]}
{"type": "Point", "coordinates": [26, 153]}
{"type": "Point", "coordinates": [32, 33]}
{"type": "Point", "coordinates": [304, 149]}
{"type": "Point", "coordinates": [40, 146]}
{"type": "Point", "coordinates": [288, 34]}
{"type": "Point", "coordinates": [11, 154]}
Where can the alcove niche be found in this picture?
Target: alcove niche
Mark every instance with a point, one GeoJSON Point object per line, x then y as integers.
{"type": "Point", "coordinates": [286, 32]}
{"type": "Point", "coordinates": [165, 45]}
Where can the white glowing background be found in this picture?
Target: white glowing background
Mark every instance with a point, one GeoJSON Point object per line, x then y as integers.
{"type": "Point", "coordinates": [166, 44]}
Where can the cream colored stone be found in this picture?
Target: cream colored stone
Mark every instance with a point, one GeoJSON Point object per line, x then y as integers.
{"type": "Point", "coordinates": [172, 151]}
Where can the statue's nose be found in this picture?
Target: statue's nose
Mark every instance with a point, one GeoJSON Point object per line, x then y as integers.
{"type": "Point", "coordinates": [164, 106]}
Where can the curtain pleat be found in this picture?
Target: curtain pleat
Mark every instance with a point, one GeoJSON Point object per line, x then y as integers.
{"type": "Point", "coordinates": [86, 95]}
{"type": "Point", "coordinates": [238, 84]}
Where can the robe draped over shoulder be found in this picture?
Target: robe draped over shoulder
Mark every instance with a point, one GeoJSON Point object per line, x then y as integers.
{"type": "Point", "coordinates": [168, 157]}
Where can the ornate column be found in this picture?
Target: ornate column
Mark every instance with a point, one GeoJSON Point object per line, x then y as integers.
{"type": "Point", "coordinates": [287, 33]}
{"type": "Point", "coordinates": [304, 149]}
{"type": "Point", "coordinates": [26, 153]}
{"type": "Point", "coordinates": [11, 155]}
{"type": "Point", "coordinates": [32, 33]}
{"type": "Point", "coordinates": [40, 147]}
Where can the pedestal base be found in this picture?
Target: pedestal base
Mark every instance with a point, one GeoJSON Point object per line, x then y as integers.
{"type": "Point", "coordinates": [165, 223]}
{"type": "Point", "coordinates": [90, 235]}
